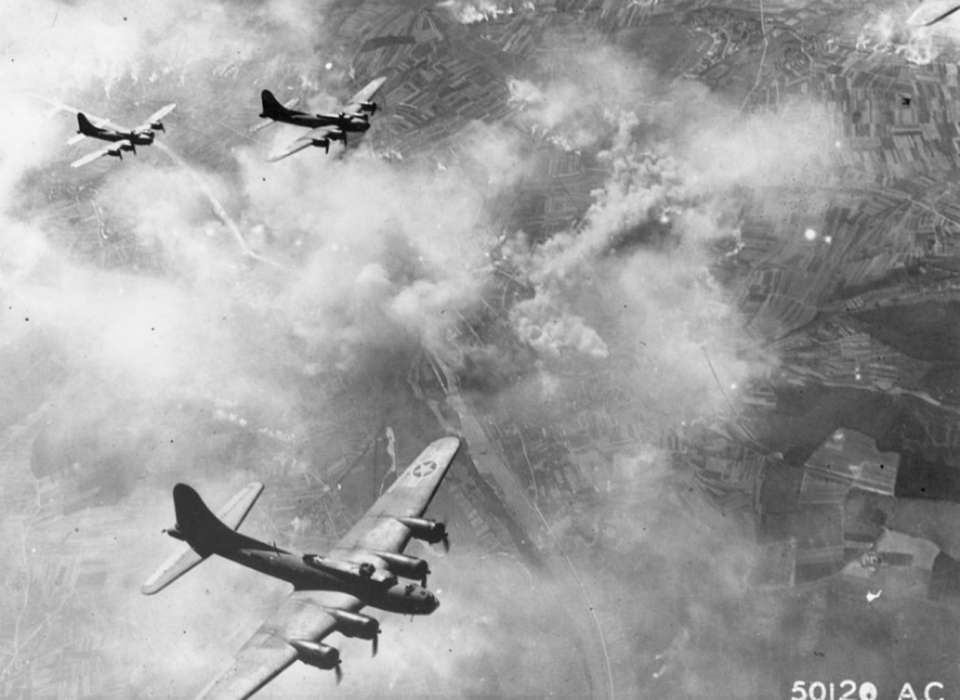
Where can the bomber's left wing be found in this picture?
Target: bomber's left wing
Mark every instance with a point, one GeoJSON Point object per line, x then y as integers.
{"type": "Point", "coordinates": [99, 153]}
{"type": "Point", "coordinates": [408, 497]}
{"type": "Point", "coordinates": [364, 95]}
{"type": "Point", "coordinates": [156, 116]}
{"type": "Point", "coordinates": [305, 141]}
{"type": "Point", "coordinates": [292, 632]}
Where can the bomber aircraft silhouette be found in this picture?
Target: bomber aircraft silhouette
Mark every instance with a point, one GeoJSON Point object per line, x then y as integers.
{"type": "Point", "coordinates": [354, 117]}
{"type": "Point", "coordinates": [930, 13]}
{"type": "Point", "coordinates": [121, 139]}
{"type": "Point", "coordinates": [328, 590]}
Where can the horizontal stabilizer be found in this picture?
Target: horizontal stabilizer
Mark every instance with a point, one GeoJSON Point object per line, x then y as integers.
{"type": "Point", "coordinates": [185, 558]}
{"type": "Point", "coordinates": [236, 509]}
{"type": "Point", "coordinates": [173, 568]}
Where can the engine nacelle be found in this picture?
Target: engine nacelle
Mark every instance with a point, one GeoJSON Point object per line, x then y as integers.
{"type": "Point", "coordinates": [128, 147]}
{"type": "Point", "coordinates": [369, 107]}
{"type": "Point", "coordinates": [316, 654]}
{"type": "Point", "coordinates": [322, 143]}
{"type": "Point", "coordinates": [405, 565]}
{"type": "Point", "coordinates": [352, 624]}
{"type": "Point", "coordinates": [424, 529]}
{"type": "Point", "coordinates": [157, 126]}
{"type": "Point", "coordinates": [116, 153]}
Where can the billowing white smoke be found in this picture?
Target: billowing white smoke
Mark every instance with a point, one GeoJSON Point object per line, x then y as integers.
{"type": "Point", "coordinates": [679, 164]}
{"type": "Point", "coordinates": [900, 30]}
{"type": "Point", "coordinates": [472, 11]}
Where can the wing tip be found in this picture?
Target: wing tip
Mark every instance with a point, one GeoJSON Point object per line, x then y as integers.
{"type": "Point", "coordinates": [451, 440]}
{"type": "Point", "coordinates": [448, 443]}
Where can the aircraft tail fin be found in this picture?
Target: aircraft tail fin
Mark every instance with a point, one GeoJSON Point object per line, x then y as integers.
{"type": "Point", "coordinates": [271, 106]}
{"type": "Point", "coordinates": [201, 531]}
{"type": "Point", "coordinates": [84, 125]}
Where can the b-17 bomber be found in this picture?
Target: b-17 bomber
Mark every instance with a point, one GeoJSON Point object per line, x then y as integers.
{"type": "Point", "coordinates": [354, 117]}
{"type": "Point", "coordinates": [120, 138]}
{"type": "Point", "coordinates": [329, 590]}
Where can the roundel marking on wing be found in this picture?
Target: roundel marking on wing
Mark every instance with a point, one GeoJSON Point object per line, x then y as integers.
{"type": "Point", "coordinates": [424, 469]}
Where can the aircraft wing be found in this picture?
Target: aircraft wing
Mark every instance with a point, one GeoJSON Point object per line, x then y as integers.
{"type": "Point", "coordinates": [304, 141]}
{"type": "Point", "coordinates": [303, 616]}
{"type": "Point", "coordinates": [930, 13]}
{"type": "Point", "coordinates": [366, 92]}
{"type": "Point", "coordinates": [409, 496]}
{"type": "Point", "coordinates": [99, 153]}
{"type": "Point", "coordinates": [76, 138]}
{"type": "Point", "coordinates": [156, 116]}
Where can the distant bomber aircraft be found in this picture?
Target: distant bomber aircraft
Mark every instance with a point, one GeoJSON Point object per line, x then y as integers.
{"type": "Point", "coordinates": [328, 590]}
{"type": "Point", "coordinates": [121, 138]}
{"type": "Point", "coordinates": [324, 128]}
{"type": "Point", "coordinates": [921, 17]}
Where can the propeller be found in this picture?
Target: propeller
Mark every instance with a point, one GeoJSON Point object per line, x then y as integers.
{"type": "Point", "coordinates": [445, 539]}
{"type": "Point", "coordinates": [375, 644]}
{"type": "Point", "coordinates": [338, 672]}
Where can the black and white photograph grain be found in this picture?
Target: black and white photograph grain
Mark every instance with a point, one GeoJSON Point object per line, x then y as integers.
{"type": "Point", "coordinates": [480, 349]}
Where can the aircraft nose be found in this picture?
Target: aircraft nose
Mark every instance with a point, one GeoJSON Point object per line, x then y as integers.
{"type": "Point", "coordinates": [434, 603]}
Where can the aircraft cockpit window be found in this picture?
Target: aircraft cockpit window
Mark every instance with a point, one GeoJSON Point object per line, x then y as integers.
{"type": "Point", "coordinates": [409, 589]}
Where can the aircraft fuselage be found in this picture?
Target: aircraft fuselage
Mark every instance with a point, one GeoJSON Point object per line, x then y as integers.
{"type": "Point", "coordinates": [349, 122]}
{"type": "Point", "coordinates": [137, 138]}
{"type": "Point", "coordinates": [392, 596]}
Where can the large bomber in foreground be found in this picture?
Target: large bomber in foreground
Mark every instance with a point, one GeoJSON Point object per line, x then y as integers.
{"type": "Point", "coordinates": [362, 570]}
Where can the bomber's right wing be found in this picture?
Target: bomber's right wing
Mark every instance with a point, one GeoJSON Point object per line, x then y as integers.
{"type": "Point", "coordinates": [99, 153]}
{"type": "Point", "coordinates": [303, 617]}
{"type": "Point", "coordinates": [305, 141]}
